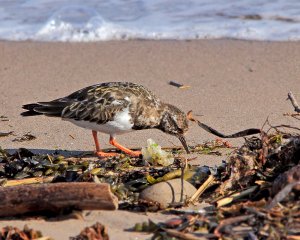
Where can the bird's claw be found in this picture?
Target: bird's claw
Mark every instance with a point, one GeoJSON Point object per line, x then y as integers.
{"type": "Point", "coordinates": [105, 155]}
{"type": "Point", "coordinates": [134, 153]}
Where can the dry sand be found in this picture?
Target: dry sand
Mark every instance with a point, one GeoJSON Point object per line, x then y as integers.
{"type": "Point", "coordinates": [234, 85]}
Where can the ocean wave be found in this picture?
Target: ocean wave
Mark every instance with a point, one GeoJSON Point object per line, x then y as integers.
{"type": "Point", "coordinates": [85, 21]}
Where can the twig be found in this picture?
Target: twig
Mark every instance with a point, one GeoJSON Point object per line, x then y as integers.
{"type": "Point", "coordinates": [230, 221]}
{"type": "Point", "coordinates": [294, 102]}
{"type": "Point", "coordinates": [294, 115]}
{"type": "Point", "coordinates": [181, 235]}
{"type": "Point", "coordinates": [26, 181]}
{"type": "Point", "coordinates": [202, 188]}
{"type": "Point", "coordinates": [292, 237]}
{"type": "Point", "coordinates": [279, 126]}
{"type": "Point", "coordinates": [181, 180]}
{"type": "Point", "coordinates": [282, 194]}
{"type": "Point", "coordinates": [235, 196]}
{"type": "Point", "coordinates": [183, 168]}
{"type": "Point", "coordinates": [285, 126]}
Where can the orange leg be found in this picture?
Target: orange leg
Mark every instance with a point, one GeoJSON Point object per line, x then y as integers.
{"type": "Point", "coordinates": [113, 142]}
{"type": "Point", "coordinates": [100, 153]}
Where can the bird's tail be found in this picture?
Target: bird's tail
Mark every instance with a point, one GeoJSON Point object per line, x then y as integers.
{"type": "Point", "coordinates": [30, 110]}
{"type": "Point", "coordinates": [52, 109]}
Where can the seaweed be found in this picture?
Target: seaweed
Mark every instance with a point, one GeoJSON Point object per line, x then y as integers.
{"type": "Point", "coordinates": [97, 231]}
{"type": "Point", "coordinates": [255, 195]}
{"type": "Point", "coordinates": [10, 232]}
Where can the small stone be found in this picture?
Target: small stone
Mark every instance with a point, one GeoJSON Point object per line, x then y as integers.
{"type": "Point", "coordinates": [168, 192]}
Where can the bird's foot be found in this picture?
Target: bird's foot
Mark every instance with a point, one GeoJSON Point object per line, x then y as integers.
{"type": "Point", "coordinates": [105, 155]}
{"type": "Point", "coordinates": [125, 150]}
{"type": "Point", "coordinates": [133, 153]}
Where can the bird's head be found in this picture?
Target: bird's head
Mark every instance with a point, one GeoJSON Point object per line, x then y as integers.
{"type": "Point", "coordinates": [175, 122]}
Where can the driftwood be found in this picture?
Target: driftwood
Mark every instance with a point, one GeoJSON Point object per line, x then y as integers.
{"type": "Point", "coordinates": [55, 197]}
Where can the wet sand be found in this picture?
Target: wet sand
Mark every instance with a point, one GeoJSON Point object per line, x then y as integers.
{"type": "Point", "coordinates": [234, 85]}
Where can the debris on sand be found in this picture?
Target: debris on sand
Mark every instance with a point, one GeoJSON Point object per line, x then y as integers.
{"type": "Point", "coordinates": [294, 102]}
{"type": "Point", "coordinates": [26, 137]}
{"type": "Point", "coordinates": [97, 231]}
{"type": "Point", "coordinates": [4, 118]}
{"type": "Point", "coordinates": [254, 194]}
{"type": "Point", "coordinates": [178, 85]}
{"type": "Point", "coordinates": [127, 176]}
{"type": "Point", "coordinates": [5, 134]}
{"type": "Point", "coordinates": [155, 155]}
{"type": "Point", "coordinates": [11, 233]}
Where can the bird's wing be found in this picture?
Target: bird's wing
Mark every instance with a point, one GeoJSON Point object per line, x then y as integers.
{"type": "Point", "coordinates": [93, 111]}
{"type": "Point", "coordinates": [94, 104]}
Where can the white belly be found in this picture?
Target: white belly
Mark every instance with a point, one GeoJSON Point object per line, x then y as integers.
{"type": "Point", "coordinates": [121, 124]}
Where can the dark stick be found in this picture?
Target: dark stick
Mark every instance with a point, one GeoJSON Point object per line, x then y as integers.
{"type": "Point", "coordinates": [209, 129]}
{"type": "Point", "coordinates": [183, 166]}
{"type": "Point", "coordinates": [230, 221]}
{"type": "Point", "coordinates": [243, 133]}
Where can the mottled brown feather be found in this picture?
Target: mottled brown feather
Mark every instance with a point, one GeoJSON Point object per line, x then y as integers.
{"type": "Point", "coordinates": [99, 103]}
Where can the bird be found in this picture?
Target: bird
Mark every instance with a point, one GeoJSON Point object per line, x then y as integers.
{"type": "Point", "coordinates": [115, 108]}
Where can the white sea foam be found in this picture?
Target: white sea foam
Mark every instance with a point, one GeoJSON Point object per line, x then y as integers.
{"type": "Point", "coordinates": [94, 20]}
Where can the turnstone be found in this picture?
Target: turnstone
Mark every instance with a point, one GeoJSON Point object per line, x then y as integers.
{"type": "Point", "coordinates": [115, 108]}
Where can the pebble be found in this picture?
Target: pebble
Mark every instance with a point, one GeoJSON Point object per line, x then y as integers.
{"type": "Point", "coordinates": [168, 192]}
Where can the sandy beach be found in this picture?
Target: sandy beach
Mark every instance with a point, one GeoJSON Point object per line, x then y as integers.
{"type": "Point", "coordinates": [234, 85]}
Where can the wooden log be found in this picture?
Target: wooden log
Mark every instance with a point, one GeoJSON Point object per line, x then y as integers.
{"type": "Point", "coordinates": [54, 197]}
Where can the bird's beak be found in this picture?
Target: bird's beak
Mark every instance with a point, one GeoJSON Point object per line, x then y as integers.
{"type": "Point", "coordinates": [183, 141]}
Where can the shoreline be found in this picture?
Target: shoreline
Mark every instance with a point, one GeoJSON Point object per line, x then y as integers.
{"type": "Point", "coordinates": [153, 40]}
{"type": "Point", "coordinates": [149, 40]}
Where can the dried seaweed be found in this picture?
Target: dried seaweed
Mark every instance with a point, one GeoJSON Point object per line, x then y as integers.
{"type": "Point", "coordinates": [13, 233]}
{"type": "Point", "coordinates": [245, 205]}
{"type": "Point", "coordinates": [255, 193]}
{"type": "Point", "coordinates": [97, 231]}
{"type": "Point", "coordinates": [212, 147]}
{"type": "Point", "coordinates": [127, 176]}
